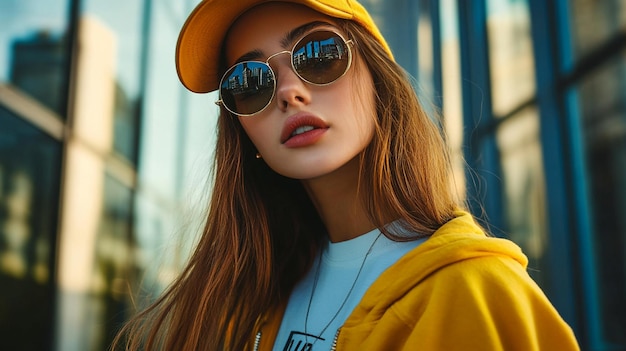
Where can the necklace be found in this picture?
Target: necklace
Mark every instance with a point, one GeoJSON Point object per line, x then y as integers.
{"type": "Point", "coordinates": [317, 276]}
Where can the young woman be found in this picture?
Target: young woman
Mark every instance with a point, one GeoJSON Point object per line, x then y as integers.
{"type": "Point", "coordinates": [332, 223]}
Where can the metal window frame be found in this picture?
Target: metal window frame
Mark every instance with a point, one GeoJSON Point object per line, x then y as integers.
{"type": "Point", "coordinates": [480, 149]}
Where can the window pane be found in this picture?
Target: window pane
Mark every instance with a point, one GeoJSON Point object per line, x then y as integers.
{"type": "Point", "coordinates": [594, 22]}
{"type": "Point", "coordinates": [425, 66]}
{"type": "Point", "coordinates": [510, 53]}
{"type": "Point", "coordinates": [177, 142]}
{"type": "Point", "coordinates": [34, 49]}
{"type": "Point", "coordinates": [111, 266]}
{"type": "Point", "coordinates": [397, 20]}
{"type": "Point", "coordinates": [94, 298]}
{"type": "Point", "coordinates": [452, 100]}
{"type": "Point", "coordinates": [29, 180]}
{"type": "Point", "coordinates": [523, 178]}
{"type": "Point", "coordinates": [603, 109]}
{"type": "Point", "coordinates": [116, 25]}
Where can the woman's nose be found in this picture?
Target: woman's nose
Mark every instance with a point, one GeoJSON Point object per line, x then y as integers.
{"type": "Point", "coordinates": [291, 91]}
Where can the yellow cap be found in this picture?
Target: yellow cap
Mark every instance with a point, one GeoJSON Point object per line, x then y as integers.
{"type": "Point", "coordinates": [202, 35]}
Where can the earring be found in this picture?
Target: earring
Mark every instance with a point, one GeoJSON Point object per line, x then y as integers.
{"type": "Point", "coordinates": [258, 155]}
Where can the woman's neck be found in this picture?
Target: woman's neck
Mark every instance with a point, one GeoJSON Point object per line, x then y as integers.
{"type": "Point", "coordinates": [339, 204]}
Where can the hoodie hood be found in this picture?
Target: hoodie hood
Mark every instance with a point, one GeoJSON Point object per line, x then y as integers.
{"type": "Point", "coordinates": [458, 240]}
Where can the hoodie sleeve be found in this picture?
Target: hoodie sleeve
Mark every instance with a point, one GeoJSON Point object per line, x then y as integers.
{"type": "Point", "coordinates": [482, 303]}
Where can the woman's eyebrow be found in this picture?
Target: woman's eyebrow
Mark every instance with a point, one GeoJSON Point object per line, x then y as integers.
{"type": "Point", "coordinates": [285, 42]}
{"type": "Point", "coordinates": [254, 55]}
{"type": "Point", "coordinates": [297, 32]}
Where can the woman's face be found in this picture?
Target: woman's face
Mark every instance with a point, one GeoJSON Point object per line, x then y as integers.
{"type": "Point", "coordinates": [341, 114]}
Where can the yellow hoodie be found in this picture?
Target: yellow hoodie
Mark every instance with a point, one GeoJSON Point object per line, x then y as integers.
{"type": "Point", "coordinates": [459, 290]}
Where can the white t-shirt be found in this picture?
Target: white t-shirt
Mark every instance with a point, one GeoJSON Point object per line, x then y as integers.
{"type": "Point", "coordinates": [338, 269]}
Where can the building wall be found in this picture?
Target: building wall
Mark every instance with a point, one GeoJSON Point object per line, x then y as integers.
{"type": "Point", "coordinates": [105, 158]}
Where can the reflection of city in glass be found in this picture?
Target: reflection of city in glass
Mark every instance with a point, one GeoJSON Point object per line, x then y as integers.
{"type": "Point", "coordinates": [315, 59]}
{"type": "Point", "coordinates": [38, 68]}
{"type": "Point", "coordinates": [250, 76]}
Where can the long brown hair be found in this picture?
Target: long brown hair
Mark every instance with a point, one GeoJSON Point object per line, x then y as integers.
{"type": "Point", "coordinates": [262, 231]}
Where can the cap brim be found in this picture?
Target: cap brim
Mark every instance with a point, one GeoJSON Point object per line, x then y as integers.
{"type": "Point", "coordinates": [200, 41]}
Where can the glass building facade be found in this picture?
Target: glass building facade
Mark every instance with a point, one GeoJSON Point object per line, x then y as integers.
{"type": "Point", "coordinates": [105, 158]}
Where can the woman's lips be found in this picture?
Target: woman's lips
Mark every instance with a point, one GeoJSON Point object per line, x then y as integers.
{"type": "Point", "coordinates": [302, 130]}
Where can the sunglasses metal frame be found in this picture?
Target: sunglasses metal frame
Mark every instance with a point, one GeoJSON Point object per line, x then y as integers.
{"type": "Point", "coordinates": [347, 43]}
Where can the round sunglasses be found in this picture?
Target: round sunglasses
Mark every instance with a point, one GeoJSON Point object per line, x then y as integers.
{"type": "Point", "coordinates": [319, 58]}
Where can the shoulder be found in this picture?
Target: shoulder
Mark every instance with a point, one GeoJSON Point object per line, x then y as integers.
{"type": "Point", "coordinates": [473, 283]}
{"type": "Point", "coordinates": [489, 299]}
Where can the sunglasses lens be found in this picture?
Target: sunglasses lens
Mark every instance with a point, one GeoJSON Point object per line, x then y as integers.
{"type": "Point", "coordinates": [247, 87]}
{"type": "Point", "coordinates": [321, 57]}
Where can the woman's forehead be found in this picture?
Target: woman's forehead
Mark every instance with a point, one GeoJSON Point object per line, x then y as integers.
{"type": "Point", "coordinates": [266, 26]}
